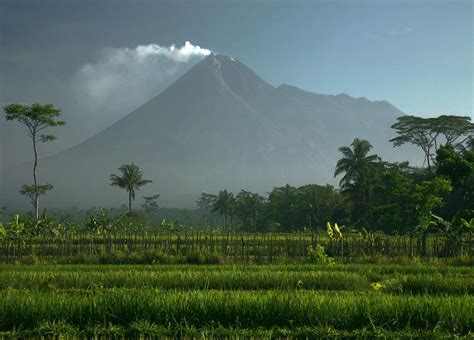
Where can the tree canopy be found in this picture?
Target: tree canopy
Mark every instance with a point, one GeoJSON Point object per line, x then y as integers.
{"type": "Point", "coordinates": [131, 179]}
{"type": "Point", "coordinates": [36, 118]}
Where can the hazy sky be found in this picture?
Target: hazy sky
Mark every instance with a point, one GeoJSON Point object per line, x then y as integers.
{"type": "Point", "coordinates": [83, 55]}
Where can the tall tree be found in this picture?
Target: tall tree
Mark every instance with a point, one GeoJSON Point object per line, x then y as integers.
{"type": "Point", "coordinates": [456, 130]}
{"type": "Point", "coordinates": [150, 206]}
{"type": "Point", "coordinates": [458, 166]}
{"type": "Point", "coordinates": [248, 207]}
{"type": "Point", "coordinates": [36, 118]}
{"type": "Point", "coordinates": [205, 202]}
{"type": "Point", "coordinates": [359, 170]}
{"type": "Point", "coordinates": [391, 202]}
{"type": "Point", "coordinates": [417, 131]}
{"type": "Point", "coordinates": [430, 133]}
{"type": "Point", "coordinates": [284, 208]}
{"type": "Point", "coordinates": [224, 205]}
{"type": "Point", "coordinates": [130, 180]}
{"type": "Point", "coordinates": [317, 204]}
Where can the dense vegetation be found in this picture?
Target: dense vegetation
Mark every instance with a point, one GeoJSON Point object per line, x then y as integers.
{"type": "Point", "coordinates": [373, 194]}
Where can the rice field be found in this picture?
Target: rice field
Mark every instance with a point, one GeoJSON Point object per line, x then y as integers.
{"type": "Point", "coordinates": [279, 301]}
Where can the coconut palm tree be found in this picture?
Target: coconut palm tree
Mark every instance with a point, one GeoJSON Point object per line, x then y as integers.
{"type": "Point", "coordinates": [224, 205]}
{"type": "Point", "coordinates": [355, 163]}
{"type": "Point", "coordinates": [359, 169]}
{"type": "Point", "coordinates": [131, 180]}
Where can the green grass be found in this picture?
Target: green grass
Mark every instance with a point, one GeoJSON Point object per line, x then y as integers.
{"type": "Point", "coordinates": [435, 280]}
{"type": "Point", "coordinates": [246, 309]}
{"type": "Point", "coordinates": [236, 301]}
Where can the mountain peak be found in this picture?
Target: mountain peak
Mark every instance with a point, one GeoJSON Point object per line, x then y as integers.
{"type": "Point", "coordinates": [233, 74]}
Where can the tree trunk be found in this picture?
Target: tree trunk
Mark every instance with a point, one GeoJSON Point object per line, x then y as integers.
{"type": "Point", "coordinates": [35, 181]}
{"type": "Point", "coordinates": [129, 202]}
{"type": "Point", "coordinates": [423, 244]}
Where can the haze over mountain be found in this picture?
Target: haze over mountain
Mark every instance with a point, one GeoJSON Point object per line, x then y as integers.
{"type": "Point", "coordinates": [218, 126]}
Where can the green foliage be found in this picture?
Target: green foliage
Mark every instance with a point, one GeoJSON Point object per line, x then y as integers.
{"type": "Point", "coordinates": [284, 208]}
{"type": "Point", "coordinates": [427, 197]}
{"type": "Point", "coordinates": [317, 255]}
{"type": "Point", "coordinates": [457, 166]}
{"type": "Point", "coordinates": [249, 208]}
{"type": "Point", "coordinates": [131, 180]}
{"type": "Point", "coordinates": [224, 204]}
{"type": "Point", "coordinates": [425, 133]}
{"type": "Point", "coordinates": [36, 118]}
{"type": "Point", "coordinates": [453, 231]}
{"type": "Point", "coordinates": [34, 191]}
{"type": "Point", "coordinates": [150, 206]}
{"type": "Point", "coordinates": [3, 232]}
{"type": "Point", "coordinates": [360, 173]}
{"type": "Point", "coordinates": [206, 201]}
{"type": "Point", "coordinates": [100, 222]}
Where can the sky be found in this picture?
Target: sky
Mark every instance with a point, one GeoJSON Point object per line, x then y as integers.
{"type": "Point", "coordinates": [98, 60]}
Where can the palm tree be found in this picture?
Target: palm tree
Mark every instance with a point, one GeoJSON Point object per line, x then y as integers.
{"type": "Point", "coordinates": [224, 205]}
{"type": "Point", "coordinates": [359, 176]}
{"type": "Point", "coordinates": [131, 180]}
{"type": "Point", "coordinates": [355, 163]}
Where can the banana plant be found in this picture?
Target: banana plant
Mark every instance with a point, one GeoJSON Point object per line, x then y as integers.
{"type": "Point", "coordinates": [452, 231]}
{"type": "Point", "coordinates": [16, 228]}
{"type": "Point", "coordinates": [468, 225]}
{"type": "Point", "coordinates": [43, 225]}
{"type": "Point", "coordinates": [99, 223]}
{"type": "Point", "coordinates": [3, 232]}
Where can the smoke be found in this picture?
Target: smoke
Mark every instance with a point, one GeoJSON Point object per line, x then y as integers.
{"type": "Point", "coordinates": [124, 78]}
{"type": "Point", "coordinates": [182, 54]}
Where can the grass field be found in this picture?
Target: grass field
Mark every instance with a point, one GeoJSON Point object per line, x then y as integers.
{"type": "Point", "coordinates": [237, 301]}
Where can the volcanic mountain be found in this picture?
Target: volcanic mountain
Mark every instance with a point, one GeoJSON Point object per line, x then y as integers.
{"type": "Point", "coordinates": [218, 126]}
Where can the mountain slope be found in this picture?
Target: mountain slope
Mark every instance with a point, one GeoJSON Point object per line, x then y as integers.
{"type": "Point", "coordinates": [218, 126]}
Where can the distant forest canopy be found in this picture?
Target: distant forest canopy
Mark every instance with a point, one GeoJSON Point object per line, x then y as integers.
{"type": "Point", "coordinates": [373, 194]}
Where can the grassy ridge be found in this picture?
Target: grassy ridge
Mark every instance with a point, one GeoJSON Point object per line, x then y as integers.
{"type": "Point", "coordinates": [236, 278]}
{"type": "Point", "coordinates": [341, 311]}
{"type": "Point", "coordinates": [350, 268]}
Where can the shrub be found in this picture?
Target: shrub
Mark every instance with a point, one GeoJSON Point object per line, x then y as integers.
{"type": "Point", "coordinates": [318, 255]}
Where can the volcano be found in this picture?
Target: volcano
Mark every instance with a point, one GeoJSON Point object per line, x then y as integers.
{"type": "Point", "coordinates": [218, 126]}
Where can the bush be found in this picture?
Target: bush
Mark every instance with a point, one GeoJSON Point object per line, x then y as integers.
{"type": "Point", "coordinates": [318, 255]}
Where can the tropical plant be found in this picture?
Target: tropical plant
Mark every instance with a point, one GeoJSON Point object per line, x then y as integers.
{"type": "Point", "coordinates": [36, 118]}
{"type": "Point", "coordinates": [283, 203]}
{"type": "Point", "coordinates": [359, 173]}
{"type": "Point", "coordinates": [248, 208]}
{"type": "Point", "coordinates": [131, 179]}
{"type": "Point", "coordinates": [453, 231]}
{"type": "Point", "coordinates": [318, 255]}
{"type": "Point", "coordinates": [224, 205]}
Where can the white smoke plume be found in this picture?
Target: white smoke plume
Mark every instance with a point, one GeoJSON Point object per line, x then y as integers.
{"type": "Point", "coordinates": [124, 78]}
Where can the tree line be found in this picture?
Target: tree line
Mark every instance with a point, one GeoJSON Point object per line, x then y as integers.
{"type": "Point", "coordinates": [373, 194]}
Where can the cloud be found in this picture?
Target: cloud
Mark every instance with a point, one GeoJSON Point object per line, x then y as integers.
{"type": "Point", "coordinates": [396, 32]}
{"type": "Point", "coordinates": [122, 79]}
{"type": "Point", "coordinates": [401, 31]}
